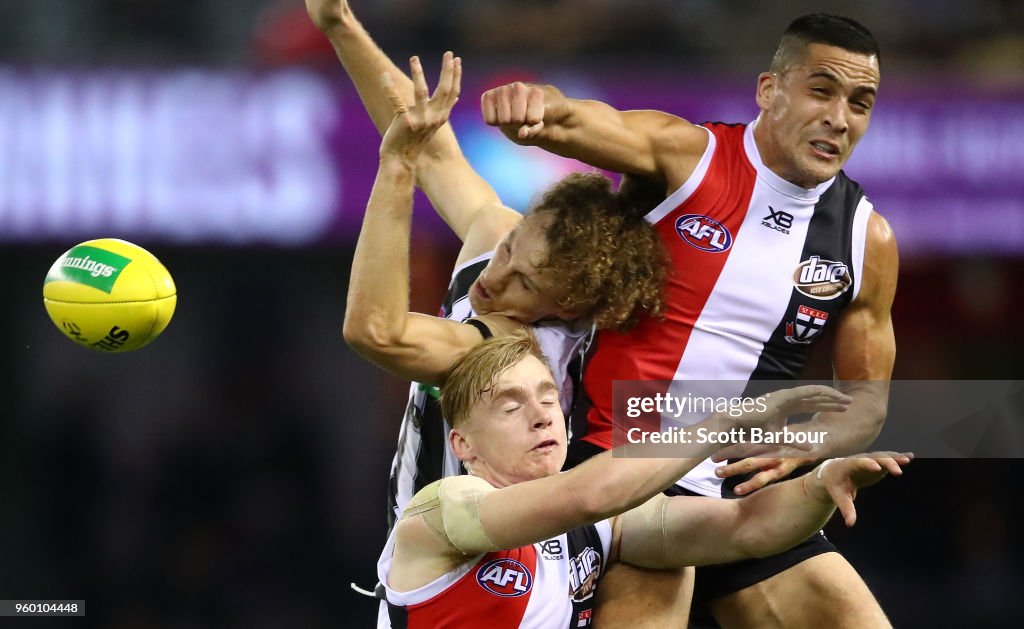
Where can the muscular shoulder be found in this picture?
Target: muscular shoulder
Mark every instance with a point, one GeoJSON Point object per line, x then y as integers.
{"type": "Point", "coordinates": [677, 144]}
{"type": "Point", "coordinates": [881, 260]}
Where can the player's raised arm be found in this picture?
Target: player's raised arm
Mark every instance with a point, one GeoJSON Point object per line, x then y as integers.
{"type": "Point", "coordinates": [649, 143]}
{"type": "Point", "coordinates": [683, 531]}
{"type": "Point", "coordinates": [377, 321]}
{"type": "Point", "coordinates": [463, 199]}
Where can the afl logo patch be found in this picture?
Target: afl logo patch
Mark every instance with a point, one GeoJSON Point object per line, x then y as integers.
{"type": "Point", "coordinates": [704, 233]}
{"type": "Point", "coordinates": [505, 577]}
{"type": "Point", "coordinates": [822, 279]}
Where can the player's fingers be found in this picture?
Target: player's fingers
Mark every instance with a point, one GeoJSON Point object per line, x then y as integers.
{"type": "Point", "coordinates": [397, 104]}
{"type": "Point", "coordinates": [489, 108]}
{"type": "Point", "coordinates": [528, 131]}
{"type": "Point", "coordinates": [419, 82]}
{"type": "Point", "coordinates": [825, 406]}
{"type": "Point", "coordinates": [456, 88]}
{"type": "Point", "coordinates": [518, 102]}
{"type": "Point", "coordinates": [759, 481]}
{"type": "Point", "coordinates": [743, 467]}
{"type": "Point", "coordinates": [503, 105]}
{"type": "Point", "coordinates": [535, 107]}
{"type": "Point", "coordinates": [444, 81]}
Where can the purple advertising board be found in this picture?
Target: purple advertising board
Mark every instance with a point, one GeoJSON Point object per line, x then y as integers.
{"type": "Point", "coordinates": [288, 157]}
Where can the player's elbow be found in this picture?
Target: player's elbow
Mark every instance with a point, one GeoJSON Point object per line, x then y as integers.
{"type": "Point", "coordinates": [755, 542]}
{"type": "Point", "coordinates": [367, 336]}
{"type": "Point", "coordinates": [751, 538]}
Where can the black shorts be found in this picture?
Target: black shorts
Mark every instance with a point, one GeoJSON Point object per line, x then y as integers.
{"type": "Point", "coordinates": [722, 579]}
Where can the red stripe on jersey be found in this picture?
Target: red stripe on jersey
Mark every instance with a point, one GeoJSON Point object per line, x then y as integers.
{"type": "Point", "coordinates": [492, 594]}
{"type": "Point", "coordinates": [653, 349]}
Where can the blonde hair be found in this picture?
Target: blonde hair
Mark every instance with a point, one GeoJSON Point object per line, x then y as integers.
{"type": "Point", "coordinates": [477, 372]}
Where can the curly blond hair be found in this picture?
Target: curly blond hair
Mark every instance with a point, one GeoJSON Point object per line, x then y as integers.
{"type": "Point", "coordinates": [603, 250]}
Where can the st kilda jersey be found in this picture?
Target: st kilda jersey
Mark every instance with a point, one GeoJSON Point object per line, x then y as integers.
{"type": "Point", "coordinates": [424, 455]}
{"type": "Point", "coordinates": [548, 585]}
{"type": "Point", "coordinates": [760, 268]}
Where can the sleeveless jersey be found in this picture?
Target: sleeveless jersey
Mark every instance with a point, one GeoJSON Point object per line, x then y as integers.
{"type": "Point", "coordinates": [423, 454]}
{"type": "Point", "coordinates": [760, 267]}
{"type": "Point", "coordinates": [548, 585]}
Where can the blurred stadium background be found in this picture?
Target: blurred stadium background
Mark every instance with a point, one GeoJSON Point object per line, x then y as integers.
{"type": "Point", "coordinates": [233, 474]}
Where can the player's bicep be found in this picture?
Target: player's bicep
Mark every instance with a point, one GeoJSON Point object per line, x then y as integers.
{"type": "Point", "coordinates": [649, 143]}
{"type": "Point", "coordinates": [426, 348]}
{"type": "Point", "coordinates": [864, 346]}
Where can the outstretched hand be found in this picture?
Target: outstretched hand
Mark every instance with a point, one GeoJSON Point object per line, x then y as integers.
{"type": "Point", "coordinates": [414, 124]}
{"type": "Point", "coordinates": [843, 477]}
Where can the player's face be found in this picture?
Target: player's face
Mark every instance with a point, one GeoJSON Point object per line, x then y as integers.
{"type": "Point", "coordinates": [815, 112]}
{"type": "Point", "coordinates": [516, 432]}
{"type": "Point", "coordinates": [515, 282]}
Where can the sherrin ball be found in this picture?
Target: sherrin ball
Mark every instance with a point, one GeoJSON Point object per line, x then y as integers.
{"type": "Point", "coordinates": [109, 295]}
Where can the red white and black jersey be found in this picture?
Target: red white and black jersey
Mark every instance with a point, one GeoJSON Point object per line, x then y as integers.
{"type": "Point", "coordinates": [424, 455]}
{"type": "Point", "coordinates": [548, 585]}
{"type": "Point", "coordinates": [760, 267]}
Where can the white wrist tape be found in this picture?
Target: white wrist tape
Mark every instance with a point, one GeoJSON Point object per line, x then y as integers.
{"type": "Point", "coordinates": [821, 468]}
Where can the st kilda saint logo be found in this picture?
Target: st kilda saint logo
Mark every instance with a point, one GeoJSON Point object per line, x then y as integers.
{"type": "Point", "coordinates": [807, 324]}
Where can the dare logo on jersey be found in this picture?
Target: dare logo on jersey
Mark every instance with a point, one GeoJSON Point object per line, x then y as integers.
{"type": "Point", "coordinates": [822, 279]}
{"type": "Point", "coordinates": [584, 569]}
{"type": "Point", "coordinates": [505, 577]}
{"type": "Point", "coordinates": [704, 233]}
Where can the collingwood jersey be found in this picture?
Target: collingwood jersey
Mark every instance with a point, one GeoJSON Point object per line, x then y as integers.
{"type": "Point", "coordinates": [424, 455]}
{"type": "Point", "coordinates": [761, 267]}
{"type": "Point", "coordinates": [548, 585]}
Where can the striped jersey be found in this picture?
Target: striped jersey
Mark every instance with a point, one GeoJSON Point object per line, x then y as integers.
{"type": "Point", "coordinates": [547, 585]}
{"type": "Point", "coordinates": [423, 454]}
{"type": "Point", "coordinates": [760, 267]}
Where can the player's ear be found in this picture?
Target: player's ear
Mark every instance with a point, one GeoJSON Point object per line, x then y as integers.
{"type": "Point", "coordinates": [767, 84]}
{"type": "Point", "coordinates": [461, 445]}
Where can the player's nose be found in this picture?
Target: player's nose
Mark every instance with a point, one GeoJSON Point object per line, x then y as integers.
{"type": "Point", "coordinates": [836, 116]}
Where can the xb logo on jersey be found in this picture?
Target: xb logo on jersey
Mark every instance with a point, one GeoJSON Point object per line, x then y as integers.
{"type": "Point", "coordinates": [704, 233]}
{"type": "Point", "coordinates": [505, 577]}
{"type": "Point", "coordinates": [780, 220]}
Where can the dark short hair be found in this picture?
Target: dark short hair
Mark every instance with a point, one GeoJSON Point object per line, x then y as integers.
{"type": "Point", "coordinates": [823, 28]}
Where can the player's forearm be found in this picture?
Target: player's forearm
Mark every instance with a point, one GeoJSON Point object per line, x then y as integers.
{"type": "Point", "coordinates": [606, 485]}
{"type": "Point", "coordinates": [629, 476]}
{"type": "Point", "coordinates": [365, 62]}
{"type": "Point", "coordinates": [378, 294]}
{"type": "Point", "coordinates": [782, 515]}
{"type": "Point", "coordinates": [856, 429]}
